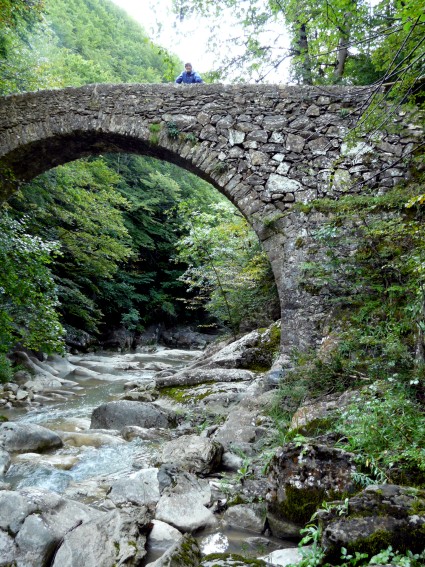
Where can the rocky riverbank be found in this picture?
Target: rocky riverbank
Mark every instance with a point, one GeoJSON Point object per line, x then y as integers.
{"type": "Point", "coordinates": [207, 462]}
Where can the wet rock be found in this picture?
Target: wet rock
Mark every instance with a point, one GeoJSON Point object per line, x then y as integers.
{"type": "Point", "coordinates": [183, 504]}
{"type": "Point", "coordinates": [185, 338]}
{"type": "Point", "coordinates": [33, 523]}
{"type": "Point", "coordinates": [250, 517]}
{"type": "Point", "coordinates": [184, 553]}
{"type": "Point", "coordinates": [240, 431]}
{"type": "Point", "coordinates": [89, 438]}
{"type": "Point", "coordinates": [29, 437]}
{"type": "Point", "coordinates": [4, 462]}
{"type": "Point", "coordinates": [140, 488]}
{"type": "Point", "coordinates": [379, 516]}
{"type": "Point", "coordinates": [194, 376]}
{"type": "Point", "coordinates": [283, 557]}
{"type": "Point", "coordinates": [141, 396]}
{"type": "Point", "coordinates": [301, 478]}
{"type": "Point", "coordinates": [231, 462]}
{"type": "Point", "coordinates": [192, 453]}
{"type": "Point", "coordinates": [62, 462]}
{"type": "Point", "coordinates": [229, 560]}
{"type": "Point", "coordinates": [116, 415]}
{"type": "Point", "coordinates": [116, 538]}
{"type": "Point", "coordinates": [162, 536]}
{"type": "Point", "coordinates": [131, 432]}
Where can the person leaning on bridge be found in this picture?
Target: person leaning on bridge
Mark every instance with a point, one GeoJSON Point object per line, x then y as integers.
{"type": "Point", "coordinates": [189, 76]}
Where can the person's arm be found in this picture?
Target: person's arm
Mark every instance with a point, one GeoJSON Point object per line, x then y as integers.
{"type": "Point", "coordinates": [179, 78]}
{"type": "Point", "coordinates": [198, 78]}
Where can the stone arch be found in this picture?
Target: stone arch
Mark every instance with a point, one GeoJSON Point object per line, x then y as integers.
{"type": "Point", "coordinates": [267, 148]}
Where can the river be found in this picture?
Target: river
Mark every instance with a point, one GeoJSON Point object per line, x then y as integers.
{"type": "Point", "coordinates": [85, 466]}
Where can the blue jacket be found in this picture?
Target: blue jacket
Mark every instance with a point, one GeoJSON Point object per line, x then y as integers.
{"type": "Point", "coordinates": [189, 78]}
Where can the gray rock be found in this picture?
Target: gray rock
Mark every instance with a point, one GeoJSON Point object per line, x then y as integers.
{"type": "Point", "coordinates": [162, 536]}
{"type": "Point", "coordinates": [116, 415]}
{"type": "Point", "coordinates": [379, 515]}
{"type": "Point", "coordinates": [203, 375]}
{"type": "Point", "coordinates": [240, 430]}
{"type": "Point", "coordinates": [36, 521]}
{"type": "Point", "coordinates": [192, 453]}
{"type": "Point", "coordinates": [231, 462]}
{"type": "Point", "coordinates": [250, 517]}
{"type": "Point", "coordinates": [131, 432]}
{"type": "Point", "coordinates": [283, 557]}
{"type": "Point", "coordinates": [185, 553]}
{"type": "Point", "coordinates": [28, 437]}
{"type": "Point", "coordinates": [140, 488]}
{"type": "Point", "coordinates": [183, 505]}
{"type": "Point", "coordinates": [4, 462]}
{"type": "Point", "coordinates": [301, 477]}
{"type": "Point", "coordinates": [113, 539]}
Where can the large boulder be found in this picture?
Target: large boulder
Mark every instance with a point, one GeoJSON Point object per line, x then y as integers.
{"type": "Point", "coordinates": [192, 453]}
{"type": "Point", "coordinates": [254, 351]}
{"type": "Point", "coordinates": [301, 478]}
{"type": "Point", "coordinates": [251, 517]}
{"type": "Point", "coordinates": [241, 430]}
{"type": "Point", "coordinates": [119, 414]}
{"type": "Point", "coordinates": [193, 376]}
{"type": "Point", "coordinates": [4, 462]}
{"type": "Point", "coordinates": [230, 560]}
{"type": "Point", "coordinates": [116, 538]}
{"type": "Point", "coordinates": [140, 488]}
{"type": "Point", "coordinates": [162, 536]}
{"type": "Point", "coordinates": [33, 523]}
{"type": "Point", "coordinates": [27, 437]}
{"type": "Point", "coordinates": [183, 504]}
{"type": "Point", "coordinates": [378, 517]}
{"type": "Point", "coordinates": [184, 553]}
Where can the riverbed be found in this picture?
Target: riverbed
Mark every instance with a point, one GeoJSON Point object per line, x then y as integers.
{"type": "Point", "coordinates": [84, 468]}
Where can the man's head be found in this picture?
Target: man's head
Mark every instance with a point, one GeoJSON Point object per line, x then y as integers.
{"type": "Point", "coordinates": [188, 67]}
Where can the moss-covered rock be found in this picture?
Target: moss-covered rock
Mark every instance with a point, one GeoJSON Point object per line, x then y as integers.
{"type": "Point", "coordinates": [378, 517]}
{"type": "Point", "coordinates": [301, 478]}
{"type": "Point", "coordinates": [230, 560]}
{"type": "Point", "coordinates": [185, 553]}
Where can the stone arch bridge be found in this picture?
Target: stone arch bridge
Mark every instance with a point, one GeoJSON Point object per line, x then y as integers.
{"type": "Point", "coordinates": [268, 148]}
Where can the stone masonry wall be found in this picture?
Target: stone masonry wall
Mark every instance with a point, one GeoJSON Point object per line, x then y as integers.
{"type": "Point", "coordinates": [267, 148]}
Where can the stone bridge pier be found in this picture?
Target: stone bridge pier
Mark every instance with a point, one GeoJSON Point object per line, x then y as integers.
{"type": "Point", "coordinates": [270, 149]}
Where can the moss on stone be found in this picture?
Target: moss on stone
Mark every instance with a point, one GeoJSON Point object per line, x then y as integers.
{"type": "Point", "coordinates": [238, 560]}
{"type": "Point", "coordinates": [299, 505]}
{"type": "Point", "coordinates": [267, 349]}
{"type": "Point", "coordinates": [3, 418]}
{"type": "Point", "coordinates": [184, 394]}
{"type": "Point", "coordinates": [313, 428]}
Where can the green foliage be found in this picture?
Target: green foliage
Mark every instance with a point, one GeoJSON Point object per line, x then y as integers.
{"type": "Point", "coordinates": [77, 42]}
{"type": "Point", "coordinates": [373, 269]}
{"type": "Point", "coordinates": [387, 427]}
{"type": "Point", "coordinates": [78, 207]}
{"type": "Point", "coordinates": [226, 266]}
{"type": "Point", "coordinates": [173, 131]}
{"type": "Point", "coordinates": [27, 291]}
{"type": "Point", "coordinates": [17, 16]}
{"type": "Point", "coordinates": [5, 371]}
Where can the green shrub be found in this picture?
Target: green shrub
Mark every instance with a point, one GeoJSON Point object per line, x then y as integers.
{"type": "Point", "coordinates": [386, 426]}
{"type": "Point", "coordinates": [5, 369]}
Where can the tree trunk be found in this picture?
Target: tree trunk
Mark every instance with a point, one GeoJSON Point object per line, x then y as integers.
{"type": "Point", "coordinates": [303, 55]}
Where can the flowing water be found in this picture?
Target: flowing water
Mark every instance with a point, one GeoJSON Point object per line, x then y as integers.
{"type": "Point", "coordinates": [84, 468]}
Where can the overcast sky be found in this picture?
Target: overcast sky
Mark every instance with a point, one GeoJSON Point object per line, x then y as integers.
{"type": "Point", "coordinates": [157, 19]}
